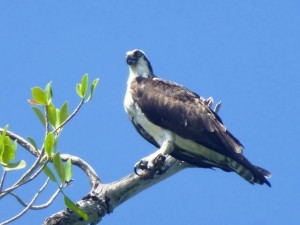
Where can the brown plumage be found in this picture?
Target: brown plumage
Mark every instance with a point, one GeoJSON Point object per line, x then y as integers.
{"type": "Point", "coordinates": [181, 111]}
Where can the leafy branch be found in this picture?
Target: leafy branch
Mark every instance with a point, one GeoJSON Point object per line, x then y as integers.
{"type": "Point", "coordinates": [53, 119]}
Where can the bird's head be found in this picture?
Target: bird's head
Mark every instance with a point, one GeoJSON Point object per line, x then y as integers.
{"type": "Point", "coordinates": [138, 63]}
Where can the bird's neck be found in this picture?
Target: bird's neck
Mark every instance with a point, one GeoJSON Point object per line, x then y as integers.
{"type": "Point", "coordinates": [139, 71]}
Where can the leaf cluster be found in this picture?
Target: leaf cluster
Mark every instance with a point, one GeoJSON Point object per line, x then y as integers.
{"type": "Point", "coordinates": [53, 119]}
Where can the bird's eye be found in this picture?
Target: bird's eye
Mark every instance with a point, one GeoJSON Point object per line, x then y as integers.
{"type": "Point", "coordinates": [138, 54]}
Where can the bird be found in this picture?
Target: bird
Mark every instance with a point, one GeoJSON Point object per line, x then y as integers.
{"type": "Point", "coordinates": [182, 124]}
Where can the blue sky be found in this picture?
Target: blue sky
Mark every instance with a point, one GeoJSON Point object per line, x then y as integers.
{"type": "Point", "coordinates": [243, 53]}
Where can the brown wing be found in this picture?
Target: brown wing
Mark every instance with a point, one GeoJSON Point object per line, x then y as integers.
{"type": "Point", "coordinates": [175, 108]}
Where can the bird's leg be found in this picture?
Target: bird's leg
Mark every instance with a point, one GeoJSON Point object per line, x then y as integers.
{"type": "Point", "coordinates": [153, 163]}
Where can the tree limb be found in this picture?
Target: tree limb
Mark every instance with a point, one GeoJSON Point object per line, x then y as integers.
{"type": "Point", "coordinates": [106, 197]}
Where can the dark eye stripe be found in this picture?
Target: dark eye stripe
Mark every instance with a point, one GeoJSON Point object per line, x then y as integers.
{"type": "Point", "coordinates": [138, 54]}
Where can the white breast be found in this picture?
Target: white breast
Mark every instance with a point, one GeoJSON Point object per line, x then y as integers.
{"type": "Point", "coordinates": [134, 112]}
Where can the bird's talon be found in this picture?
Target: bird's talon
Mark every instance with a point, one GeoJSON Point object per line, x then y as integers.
{"type": "Point", "coordinates": [150, 168]}
{"type": "Point", "coordinates": [159, 161]}
{"type": "Point", "coordinates": [141, 165]}
{"type": "Point", "coordinates": [136, 171]}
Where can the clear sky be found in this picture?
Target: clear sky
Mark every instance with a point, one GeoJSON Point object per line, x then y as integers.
{"type": "Point", "coordinates": [243, 53]}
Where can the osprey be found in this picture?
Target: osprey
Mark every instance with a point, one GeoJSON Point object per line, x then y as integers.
{"type": "Point", "coordinates": [181, 123]}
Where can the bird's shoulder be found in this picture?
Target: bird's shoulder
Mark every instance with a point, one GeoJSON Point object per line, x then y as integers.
{"type": "Point", "coordinates": [163, 95]}
{"type": "Point", "coordinates": [165, 88]}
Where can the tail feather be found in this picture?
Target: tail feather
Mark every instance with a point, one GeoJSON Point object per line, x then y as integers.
{"type": "Point", "coordinates": [249, 172]}
{"type": "Point", "coordinates": [266, 173]}
{"type": "Point", "coordinates": [240, 165]}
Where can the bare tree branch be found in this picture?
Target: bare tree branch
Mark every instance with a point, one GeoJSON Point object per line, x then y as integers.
{"type": "Point", "coordinates": [28, 206]}
{"type": "Point", "coordinates": [106, 197]}
{"type": "Point", "coordinates": [41, 206]}
{"type": "Point", "coordinates": [2, 180]}
{"type": "Point", "coordinates": [16, 185]}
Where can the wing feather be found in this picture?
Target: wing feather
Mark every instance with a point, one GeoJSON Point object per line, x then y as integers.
{"type": "Point", "coordinates": [176, 108]}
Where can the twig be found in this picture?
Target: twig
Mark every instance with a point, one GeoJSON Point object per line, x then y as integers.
{"type": "Point", "coordinates": [46, 120]}
{"type": "Point", "coordinates": [38, 207]}
{"type": "Point", "coordinates": [28, 206]}
{"type": "Point", "coordinates": [26, 175]}
{"type": "Point", "coordinates": [2, 180]}
{"type": "Point", "coordinates": [84, 166]}
{"type": "Point", "coordinates": [13, 187]}
{"type": "Point", "coordinates": [21, 141]}
{"type": "Point", "coordinates": [29, 147]}
{"type": "Point", "coordinates": [71, 116]}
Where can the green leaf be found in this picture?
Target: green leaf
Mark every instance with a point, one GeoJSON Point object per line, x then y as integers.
{"type": "Point", "coordinates": [9, 152]}
{"type": "Point", "coordinates": [52, 114]}
{"type": "Point", "coordinates": [71, 205]}
{"type": "Point", "coordinates": [32, 142]}
{"type": "Point", "coordinates": [64, 113]}
{"type": "Point", "coordinates": [3, 134]}
{"type": "Point", "coordinates": [39, 95]}
{"type": "Point", "coordinates": [68, 170]}
{"type": "Point", "coordinates": [49, 144]}
{"type": "Point", "coordinates": [55, 143]}
{"type": "Point", "coordinates": [39, 115]}
{"type": "Point", "coordinates": [57, 111]}
{"type": "Point", "coordinates": [14, 166]}
{"type": "Point", "coordinates": [59, 167]}
{"type": "Point", "coordinates": [48, 92]}
{"type": "Point", "coordinates": [49, 173]}
{"type": "Point", "coordinates": [93, 87]}
{"type": "Point", "coordinates": [78, 90]}
{"type": "Point", "coordinates": [84, 85]}
{"type": "Point", "coordinates": [2, 148]}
